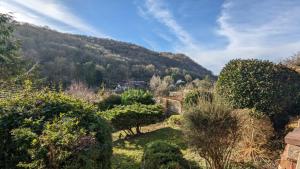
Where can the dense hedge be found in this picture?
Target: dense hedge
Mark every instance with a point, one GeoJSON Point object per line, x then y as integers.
{"type": "Point", "coordinates": [162, 155]}
{"type": "Point", "coordinates": [133, 96]}
{"type": "Point", "coordinates": [267, 87]}
{"type": "Point", "coordinates": [133, 116]}
{"type": "Point", "coordinates": [52, 130]}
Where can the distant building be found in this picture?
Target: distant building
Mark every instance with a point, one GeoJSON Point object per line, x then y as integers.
{"type": "Point", "coordinates": [180, 82]}
{"type": "Point", "coordinates": [125, 85]}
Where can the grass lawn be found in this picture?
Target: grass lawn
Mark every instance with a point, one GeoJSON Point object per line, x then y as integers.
{"type": "Point", "coordinates": [127, 153]}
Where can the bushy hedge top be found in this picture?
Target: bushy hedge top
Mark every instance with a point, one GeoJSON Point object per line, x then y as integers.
{"type": "Point", "coordinates": [163, 155]}
{"type": "Point", "coordinates": [125, 117]}
{"type": "Point", "coordinates": [28, 116]}
{"type": "Point", "coordinates": [133, 96]}
{"type": "Point", "coordinates": [134, 108]}
{"type": "Point", "coordinates": [258, 84]}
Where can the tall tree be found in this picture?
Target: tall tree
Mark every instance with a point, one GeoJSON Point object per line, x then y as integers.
{"type": "Point", "coordinates": [10, 62]}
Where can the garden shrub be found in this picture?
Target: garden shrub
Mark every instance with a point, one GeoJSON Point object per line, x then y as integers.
{"type": "Point", "coordinates": [133, 96]}
{"type": "Point", "coordinates": [133, 116]}
{"type": "Point", "coordinates": [109, 102]}
{"type": "Point", "coordinates": [194, 96]}
{"type": "Point", "coordinates": [52, 130]}
{"type": "Point", "coordinates": [212, 131]}
{"type": "Point", "coordinates": [256, 134]}
{"type": "Point", "coordinates": [262, 85]}
{"type": "Point", "coordinates": [175, 120]}
{"type": "Point", "coordinates": [163, 155]}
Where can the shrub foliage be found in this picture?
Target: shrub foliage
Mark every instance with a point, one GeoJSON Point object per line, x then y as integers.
{"type": "Point", "coordinates": [175, 120]}
{"type": "Point", "coordinates": [262, 85]}
{"type": "Point", "coordinates": [52, 130]}
{"type": "Point", "coordinates": [256, 138]}
{"type": "Point", "coordinates": [212, 131]}
{"type": "Point", "coordinates": [133, 116]}
{"type": "Point", "coordinates": [162, 155]}
{"type": "Point", "coordinates": [133, 96]}
{"type": "Point", "coordinates": [194, 96]}
{"type": "Point", "coordinates": [109, 102]}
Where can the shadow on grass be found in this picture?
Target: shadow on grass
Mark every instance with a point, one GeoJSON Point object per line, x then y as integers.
{"type": "Point", "coordinates": [128, 152]}
{"type": "Point", "coordinates": [120, 161]}
{"type": "Point", "coordinates": [168, 134]}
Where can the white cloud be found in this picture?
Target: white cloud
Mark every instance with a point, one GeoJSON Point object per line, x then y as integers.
{"type": "Point", "coordinates": [266, 29]}
{"type": "Point", "coordinates": [157, 10]}
{"type": "Point", "coordinates": [48, 12]}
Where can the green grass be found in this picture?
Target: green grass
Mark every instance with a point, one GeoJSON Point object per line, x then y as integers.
{"type": "Point", "coordinates": [127, 153]}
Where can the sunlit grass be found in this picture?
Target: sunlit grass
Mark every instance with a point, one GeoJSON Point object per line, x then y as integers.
{"type": "Point", "coordinates": [127, 153]}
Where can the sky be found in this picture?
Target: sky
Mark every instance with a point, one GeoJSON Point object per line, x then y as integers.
{"type": "Point", "coordinates": [211, 32]}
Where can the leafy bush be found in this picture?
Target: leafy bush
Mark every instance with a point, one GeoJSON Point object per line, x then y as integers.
{"type": "Point", "coordinates": [52, 130]}
{"type": "Point", "coordinates": [135, 115]}
{"type": "Point", "coordinates": [162, 155]}
{"type": "Point", "coordinates": [133, 96]}
{"type": "Point", "coordinates": [109, 102]}
{"type": "Point", "coordinates": [212, 131]}
{"type": "Point", "coordinates": [194, 96]}
{"type": "Point", "coordinates": [262, 85]}
{"type": "Point", "coordinates": [175, 120]}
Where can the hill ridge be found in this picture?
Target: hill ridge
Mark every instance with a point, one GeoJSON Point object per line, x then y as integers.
{"type": "Point", "coordinates": [66, 57]}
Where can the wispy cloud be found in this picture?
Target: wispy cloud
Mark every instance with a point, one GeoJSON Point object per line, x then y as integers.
{"type": "Point", "coordinates": [187, 44]}
{"type": "Point", "coordinates": [163, 15]}
{"type": "Point", "coordinates": [48, 12]}
{"type": "Point", "coordinates": [266, 29]}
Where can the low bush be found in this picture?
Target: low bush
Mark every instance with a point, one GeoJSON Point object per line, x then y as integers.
{"type": "Point", "coordinates": [212, 131]}
{"type": "Point", "coordinates": [175, 120]}
{"type": "Point", "coordinates": [162, 155]}
{"type": "Point", "coordinates": [194, 96]}
{"type": "Point", "coordinates": [109, 102]}
{"type": "Point", "coordinates": [52, 130]}
{"type": "Point", "coordinates": [256, 134]}
{"type": "Point", "coordinates": [133, 116]}
{"type": "Point", "coordinates": [133, 96]}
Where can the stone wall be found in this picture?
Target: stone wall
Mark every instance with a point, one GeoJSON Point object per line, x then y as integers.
{"type": "Point", "coordinates": [290, 158]}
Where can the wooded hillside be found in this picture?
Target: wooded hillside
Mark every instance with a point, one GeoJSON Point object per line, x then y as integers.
{"type": "Point", "coordinates": [65, 57]}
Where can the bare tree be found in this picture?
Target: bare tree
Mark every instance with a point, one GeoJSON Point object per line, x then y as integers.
{"type": "Point", "coordinates": [159, 86]}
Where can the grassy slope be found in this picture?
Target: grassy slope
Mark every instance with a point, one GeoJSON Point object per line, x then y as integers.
{"type": "Point", "coordinates": [127, 154]}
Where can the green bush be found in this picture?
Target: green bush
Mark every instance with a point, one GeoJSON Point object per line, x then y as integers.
{"type": "Point", "coordinates": [133, 96]}
{"type": "Point", "coordinates": [175, 120]}
{"type": "Point", "coordinates": [162, 155]}
{"type": "Point", "coordinates": [194, 96]}
{"type": "Point", "coordinates": [262, 85]}
{"type": "Point", "coordinates": [133, 116]}
{"type": "Point", "coordinates": [52, 130]}
{"type": "Point", "coordinates": [109, 102]}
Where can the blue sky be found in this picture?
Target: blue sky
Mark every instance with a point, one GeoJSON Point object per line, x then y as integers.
{"type": "Point", "coordinates": [211, 32]}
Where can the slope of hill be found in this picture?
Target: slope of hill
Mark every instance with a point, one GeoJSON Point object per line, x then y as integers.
{"type": "Point", "coordinates": [65, 57]}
